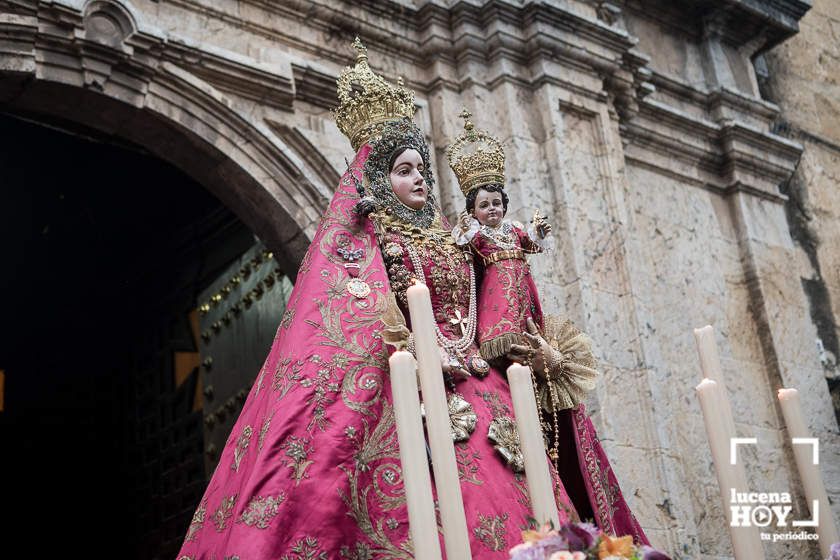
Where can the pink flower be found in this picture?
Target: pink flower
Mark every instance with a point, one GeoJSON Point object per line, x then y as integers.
{"type": "Point", "coordinates": [566, 555]}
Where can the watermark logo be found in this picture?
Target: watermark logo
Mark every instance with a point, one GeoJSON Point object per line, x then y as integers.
{"type": "Point", "coordinates": [771, 509]}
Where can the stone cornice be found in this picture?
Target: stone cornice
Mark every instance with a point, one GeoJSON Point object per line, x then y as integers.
{"type": "Point", "coordinates": [727, 155]}
{"type": "Point", "coordinates": [715, 102]}
{"type": "Point", "coordinates": [315, 86]}
{"type": "Point", "coordinates": [739, 22]}
{"type": "Point", "coordinates": [477, 31]}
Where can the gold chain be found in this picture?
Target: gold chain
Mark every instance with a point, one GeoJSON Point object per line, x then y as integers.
{"type": "Point", "coordinates": [554, 450]}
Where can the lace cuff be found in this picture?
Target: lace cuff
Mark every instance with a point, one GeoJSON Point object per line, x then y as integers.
{"type": "Point", "coordinates": [544, 243]}
{"type": "Point", "coordinates": [464, 237]}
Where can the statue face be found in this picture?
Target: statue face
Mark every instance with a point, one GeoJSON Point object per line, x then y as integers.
{"type": "Point", "coordinates": [407, 179]}
{"type": "Point", "coordinates": [489, 208]}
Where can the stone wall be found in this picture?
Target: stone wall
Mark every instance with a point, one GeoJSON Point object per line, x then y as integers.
{"type": "Point", "coordinates": [638, 124]}
{"type": "Point", "coordinates": [801, 76]}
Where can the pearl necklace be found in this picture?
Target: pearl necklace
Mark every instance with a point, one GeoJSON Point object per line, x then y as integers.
{"type": "Point", "coordinates": [461, 345]}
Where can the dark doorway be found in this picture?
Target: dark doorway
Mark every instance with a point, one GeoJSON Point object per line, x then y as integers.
{"type": "Point", "coordinates": [104, 250]}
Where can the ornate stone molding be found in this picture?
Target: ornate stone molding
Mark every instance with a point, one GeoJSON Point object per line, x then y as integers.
{"type": "Point", "coordinates": [737, 22]}
{"type": "Point", "coordinates": [103, 66]}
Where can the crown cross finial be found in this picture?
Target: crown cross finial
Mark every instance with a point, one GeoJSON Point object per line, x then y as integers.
{"type": "Point", "coordinates": [361, 50]}
{"type": "Point", "coordinates": [468, 125]}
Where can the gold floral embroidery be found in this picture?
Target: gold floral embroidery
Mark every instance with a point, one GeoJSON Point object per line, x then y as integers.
{"type": "Point", "coordinates": [241, 447]}
{"type": "Point", "coordinates": [494, 401]}
{"type": "Point", "coordinates": [446, 279]}
{"type": "Point", "coordinates": [524, 498]}
{"type": "Point", "coordinates": [286, 374]}
{"type": "Point", "coordinates": [297, 450]}
{"type": "Point", "coordinates": [306, 548]}
{"type": "Point", "coordinates": [467, 460]}
{"type": "Point", "coordinates": [197, 521]}
{"type": "Point", "coordinates": [378, 443]}
{"type": "Point", "coordinates": [306, 262]}
{"type": "Point", "coordinates": [223, 512]}
{"type": "Point", "coordinates": [612, 491]}
{"type": "Point", "coordinates": [264, 430]}
{"type": "Point", "coordinates": [361, 359]}
{"type": "Point", "coordinates": [323, 385]}
{"type": "Point", "coordinates": [288, 317]}
{"type": "Point", "coordinates": [392, 495]}
{"type": "Point", "coordinates": [360, 552]}
{"type": "Point", "coordinates": [259, 511]}
{"type": "Point", "coordinates": [366, 358]}
{"type": "Point", "coordinates": [260, 379]}
{"type": "Point", "coordinates": [491, 531]}
{"type": "Point", "coordinates": [593, 470]}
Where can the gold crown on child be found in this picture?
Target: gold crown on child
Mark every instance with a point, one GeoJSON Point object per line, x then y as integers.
{"type": "Point", "coordinates": [476, 157]}
{"type": "Point", "coordinates": [366, 101]}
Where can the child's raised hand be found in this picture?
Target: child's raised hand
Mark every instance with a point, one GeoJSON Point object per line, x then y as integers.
{"type": "Point", "coordinates": [541, 225]}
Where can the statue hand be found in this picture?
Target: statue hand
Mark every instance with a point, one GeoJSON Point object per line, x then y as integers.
{"type": "Point", "coordinates": [452, 366]}
{"type": "Point", "coordinates": [541, 225]}
{"type": "Point", "coordinates": [534, 354]}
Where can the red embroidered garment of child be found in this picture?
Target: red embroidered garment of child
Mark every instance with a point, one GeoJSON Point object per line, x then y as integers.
{"type": "Point", "coordinates": [508, 295]}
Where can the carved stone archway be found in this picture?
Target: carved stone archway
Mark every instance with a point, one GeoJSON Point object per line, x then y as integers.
{"type": "Point", "coordinates": [97, 63]}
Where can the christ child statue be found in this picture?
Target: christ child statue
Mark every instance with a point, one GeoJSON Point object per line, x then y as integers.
{"type": "Point", "coordinates": [508, 296]}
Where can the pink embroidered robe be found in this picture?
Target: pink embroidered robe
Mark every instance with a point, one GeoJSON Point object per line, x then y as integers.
{"type": "Point", "coordinates": [311, 468]}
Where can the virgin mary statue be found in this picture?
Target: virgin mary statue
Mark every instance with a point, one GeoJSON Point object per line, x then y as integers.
{"type": "Point", "coordinates": [311, 468]}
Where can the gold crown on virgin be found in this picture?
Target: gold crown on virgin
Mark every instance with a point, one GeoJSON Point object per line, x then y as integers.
{"type": "Point", "coordinates": [476, 157]}
{"type": "Point", "coordinates": [366, 101]}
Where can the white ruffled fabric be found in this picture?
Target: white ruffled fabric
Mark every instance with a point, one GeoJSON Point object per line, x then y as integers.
{"type": "Point", "coordinates": [544, 243]}
{"type": "Point", "coordinates": [464, 237]}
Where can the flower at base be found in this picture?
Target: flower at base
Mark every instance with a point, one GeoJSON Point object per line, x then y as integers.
{"type": "Point", "coordinates": [835, 551]}
{"type": "Point", "coordinates": [531, 536]}
{"type": "Point", "coordinates": [522, 547]}
{"type": "Point", "coordinates": [580, 536]}
{"type": "Point", "coordinates": [621, 547]}
{"type": "Point", "coordinates": [650, 553]}
{"type": "Point", "coordinates": [566, 555]}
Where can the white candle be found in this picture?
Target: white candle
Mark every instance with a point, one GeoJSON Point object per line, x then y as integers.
{"type": "Point", "coordinates": [710, 366]}
{"type": "Point", "coordinates": [453, 519]}
{"type": "Point", "coordinates": [746, 542]}
{"type": "Point", "coordinates": [537, 475]}
{"type": "Point", "coordinates": [809, 472]}
{"type": "Point", "coordinates": [422, 523]}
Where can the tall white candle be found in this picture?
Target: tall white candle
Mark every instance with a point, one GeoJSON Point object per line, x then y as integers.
{"type": "Point", "coordinates": [455, 534]}
{"type": "Point", "coordinates": [710, 366]}
{"type": "Point", "coordinates": [809, 472]}
{"type": "Point", "coordinates": [422, 523]}
{"type": "Point", "coordinates": [746, 542]}
{"type": "Point", "coordinates": [537, 475]}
